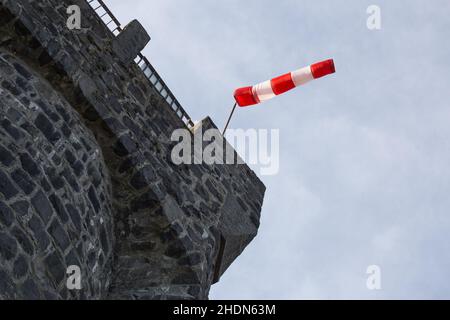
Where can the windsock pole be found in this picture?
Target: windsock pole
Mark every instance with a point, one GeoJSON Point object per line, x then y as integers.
{"type": "Point", "coordinates": [229, 119]}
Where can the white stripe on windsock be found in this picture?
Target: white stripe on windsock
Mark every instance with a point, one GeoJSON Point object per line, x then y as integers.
{"type": "Point", "coordinates": [263, 91]}
{"type": "Point", "coordinates": [302, 76]}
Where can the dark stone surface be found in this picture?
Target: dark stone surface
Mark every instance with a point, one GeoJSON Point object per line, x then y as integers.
{"type": "Point", "coordinates": [30, 291]}
{"type": "Point", "coordinates": [20, 208]}
{"type": "Point", "coordinates": [59, 207]}
{"type": "Point", "coordinates": [130, 41]}
{"type": "Point", "coordinates": [85, 143]}
{"type": "Point", "coordinates": [20, 267]}
{"type": "Point", "coordinates": [23, 240]}
{"type": "Point", "coordinates": [54, 266]}
{"type": "Point", "coordinates": [6, 158]}
{"type": "Point", "coordinates": [38, 236]}
{"type": "Point", "coordinates": [59, 235]}
{"type": "Point", "coordinates": [42, 206]}
{"type": "Point", "coordinates": [23, 181]}
{"type": "Point", "coordinates": [8, 247]}
{"type": "Point", "coordinates": [6, 215]}
{"type": "Point", "coordinates": [7, 286]}
{"type": "Point", "coordinates": [6, 187]}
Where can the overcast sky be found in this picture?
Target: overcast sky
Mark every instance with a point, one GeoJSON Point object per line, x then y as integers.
{"type": "Point", "coordinates": [364, 154]}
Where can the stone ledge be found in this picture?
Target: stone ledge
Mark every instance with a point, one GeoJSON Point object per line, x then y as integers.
{"type": "Point", "coordinates": [130, 41]}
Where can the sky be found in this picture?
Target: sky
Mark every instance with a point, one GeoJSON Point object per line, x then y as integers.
{"type": "Point", "coordinates": [364, 173]}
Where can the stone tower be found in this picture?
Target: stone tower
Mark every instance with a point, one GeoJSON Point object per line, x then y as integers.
{"type": "Point", "coordinates": [86, 177]}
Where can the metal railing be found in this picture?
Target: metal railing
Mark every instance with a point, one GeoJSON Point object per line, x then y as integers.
{"type": "Point", "coordinates": [150, 73]}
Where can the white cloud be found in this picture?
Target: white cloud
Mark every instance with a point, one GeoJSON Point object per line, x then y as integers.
{"type": "Point", "coordinates": [364, 173]}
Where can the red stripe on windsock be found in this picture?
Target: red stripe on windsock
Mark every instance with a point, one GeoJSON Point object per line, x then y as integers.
{"type": "Point", "coordinates": [282, 84]}
{"type": "Point", "coordinates": [261, 92]}
{"type": "Point", "coordinates": [323, 68]}
{"type": "Point", "coordinates": [244, 97]}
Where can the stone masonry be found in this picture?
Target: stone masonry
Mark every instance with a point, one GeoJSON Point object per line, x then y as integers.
{"type": "Point", "coordinates": [86, 176]}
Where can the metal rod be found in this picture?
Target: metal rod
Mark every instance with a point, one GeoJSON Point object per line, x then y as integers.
{"type": "Point", "coordinates": [229, 119]}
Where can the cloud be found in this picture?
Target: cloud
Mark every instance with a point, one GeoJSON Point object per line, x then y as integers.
{"type": "Point", "coordinates": [364, 173]}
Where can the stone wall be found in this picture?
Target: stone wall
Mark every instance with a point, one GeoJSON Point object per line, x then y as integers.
{"type": "Point", "coordinates": [100, 186]}
{"type": "Point", "coordinates": [55, 208]}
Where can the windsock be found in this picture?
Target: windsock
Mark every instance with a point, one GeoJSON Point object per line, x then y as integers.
{"type": "Point", "coordinates": [264, 91]}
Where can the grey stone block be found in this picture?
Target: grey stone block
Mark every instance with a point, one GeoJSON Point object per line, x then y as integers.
{"type": "Point", "coordinates": [130, 42]}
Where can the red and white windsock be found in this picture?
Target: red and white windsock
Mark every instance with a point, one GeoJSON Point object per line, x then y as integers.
{"type": "Point", "coordinates": [248, 96]}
